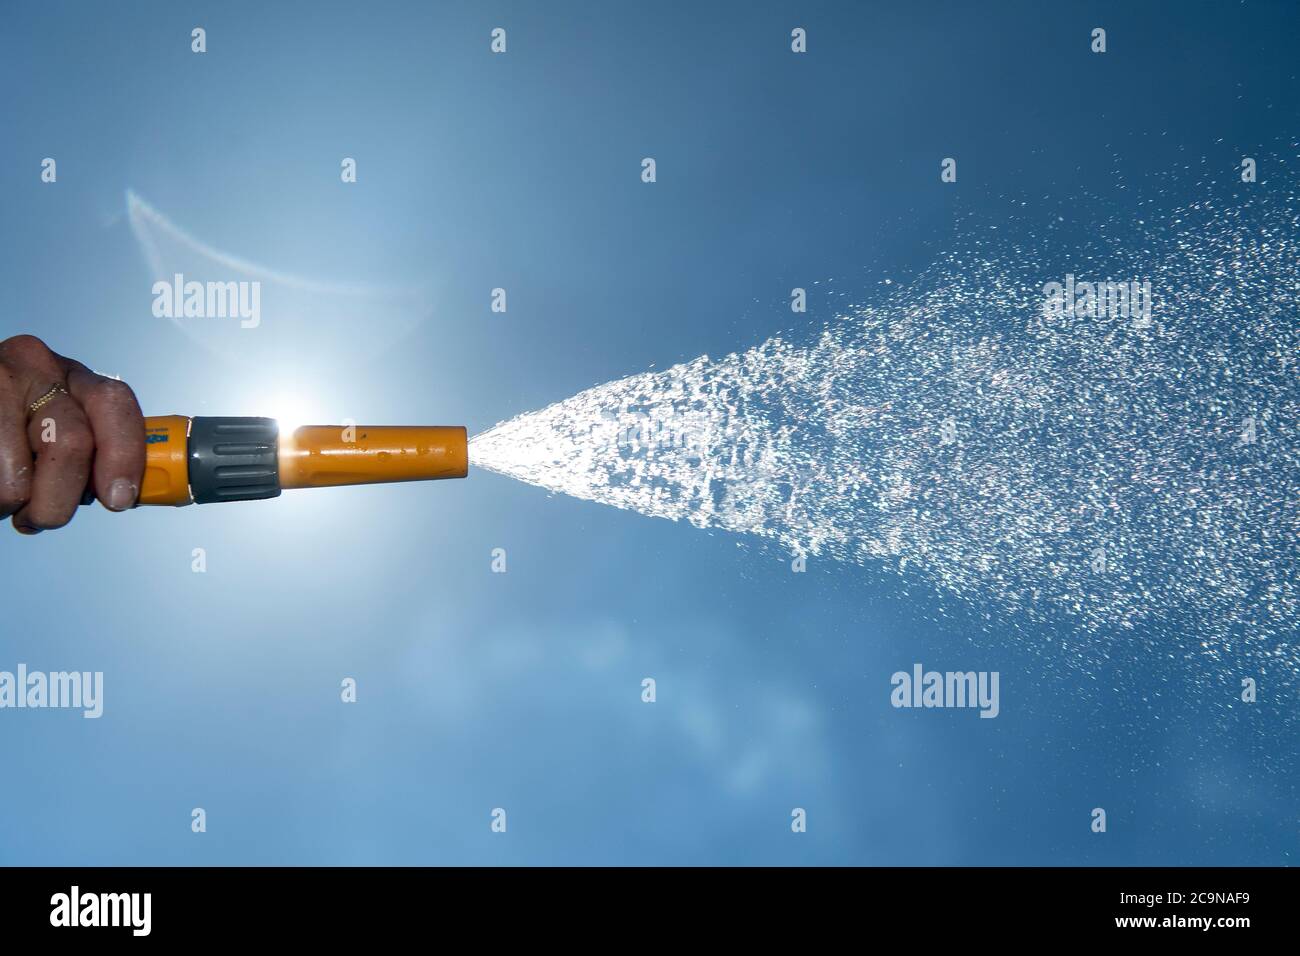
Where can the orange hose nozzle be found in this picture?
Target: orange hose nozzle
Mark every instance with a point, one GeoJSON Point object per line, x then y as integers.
{"type": "Point", "coordinates": [320, 456]}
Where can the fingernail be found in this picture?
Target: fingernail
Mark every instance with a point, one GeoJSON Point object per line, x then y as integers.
{"type": "Point", "coordinates": [24, 529]}
{"type": "Point", "coordinates": [121, 494]}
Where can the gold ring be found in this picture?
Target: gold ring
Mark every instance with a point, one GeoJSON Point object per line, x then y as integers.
{"type": "Point", "coordinates": [54, 392]}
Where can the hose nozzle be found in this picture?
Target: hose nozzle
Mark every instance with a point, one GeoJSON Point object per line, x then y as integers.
{"type": "Point", "coordinates": [202, 460]}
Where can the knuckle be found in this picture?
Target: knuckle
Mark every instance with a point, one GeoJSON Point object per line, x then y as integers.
{"type": "Point", "coordinates": [76, 441]}
{"type": "Point", "coordinates": [12, 498]}
{"type": "Point", "coordinates": [114, 394]}
{"type": "Point", "coordinates": [48, 517]}
{"type": "Point", "coordinates": [26, 349]}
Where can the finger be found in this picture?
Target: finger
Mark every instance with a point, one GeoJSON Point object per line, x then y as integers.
{"type": "Point", "coordinates": [15, 452]}
{"type": "Point", "coordinates": [118, 428]}
{"type": "Point", "coordinates": [64, 444]}
{"type": "Point", "coordinates": [28, 369]}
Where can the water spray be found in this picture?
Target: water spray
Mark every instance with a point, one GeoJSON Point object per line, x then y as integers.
{"type": "Point", "coordinates": [1098, 444]}
{"type": "Point", "coordinates": [210, 459]}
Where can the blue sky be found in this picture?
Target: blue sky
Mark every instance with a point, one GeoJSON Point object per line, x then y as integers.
{"type": "Point", "coordinates": [522, 690]}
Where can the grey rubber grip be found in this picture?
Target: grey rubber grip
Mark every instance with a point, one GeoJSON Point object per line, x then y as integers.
{"type": "Point", "coordinates": [233, 459]}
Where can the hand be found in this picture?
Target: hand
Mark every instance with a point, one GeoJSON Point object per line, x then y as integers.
{"type": "Point", "coordinates": [87, 439]}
